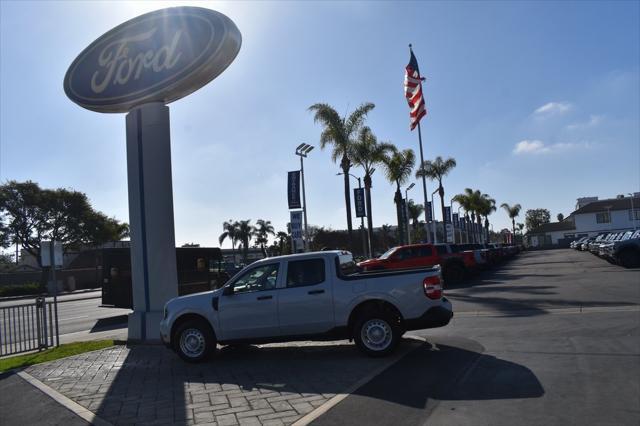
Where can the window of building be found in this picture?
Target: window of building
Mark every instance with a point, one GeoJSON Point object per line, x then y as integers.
{"type": "Point", "coordinates": [603, 217]}
{"type": "Point", "coordinates": [634, 214]}
{"type": "Point", "coordinates": [305, 272]}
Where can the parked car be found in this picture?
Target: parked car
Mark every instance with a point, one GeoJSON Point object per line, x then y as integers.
{"type": "Point", "coordinates": [310, 296]}
{"type": "Point", "coordinates": [604, 248]}
{"type": "Point", "coordinates": [418, 256]}
{"type": "Point", "coordinates": [627, 252]}
{"type": "Point", "coordinates": [576, 243]}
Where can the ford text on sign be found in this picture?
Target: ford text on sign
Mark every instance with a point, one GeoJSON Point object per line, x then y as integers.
{"type": "Point", "coordinates": [160, 56]}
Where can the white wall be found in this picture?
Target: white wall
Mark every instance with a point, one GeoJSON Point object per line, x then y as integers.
{"type": "Point", "coordinates": [619, 221]}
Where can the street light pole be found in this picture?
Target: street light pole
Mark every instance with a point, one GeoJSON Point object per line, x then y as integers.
{"type": "Point", "coordinates": [433, 217]}
{"type": "Point", "coordinates": [406, 208]}
{"type": "Point", "coordinates": [362, 229]}
{"type": "Point", "coordinates": [302, 150]}
{"type": "Point", "coordinates": [633, 213]}
{"type": "Point", "coordinates": [459, 227]}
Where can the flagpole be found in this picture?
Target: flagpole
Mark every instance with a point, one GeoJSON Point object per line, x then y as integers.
{"type": "Point", "coordinates": [424, 179]}
{"type": "Point", "coordinates": [424, 185]}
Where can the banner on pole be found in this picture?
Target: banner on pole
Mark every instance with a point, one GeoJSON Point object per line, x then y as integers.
{"type": "Point", "coordinates": [358, 198]}
{"type": "Point", "coordinates": [293, 190]}
{"type": "Point", "coordinates": [449, 233]}
{"type": "Point", "coordinates": [296, 225]}
{"type": "Point", "coordinates": [429, 212]}
{"type": "Point", "coordinates": [447, 214]}
{"type": "Point", "coordinates": [456, 220]}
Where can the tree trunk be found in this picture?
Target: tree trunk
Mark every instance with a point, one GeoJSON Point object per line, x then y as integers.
{"type": "Point", "coordinates": [397, 198]}
{"type": "Point", "coordinates": [345, 164]}
{"type": "Point", "coordinates": [367, 190]}
{"type": "Point", "coordinates": [513, 224]}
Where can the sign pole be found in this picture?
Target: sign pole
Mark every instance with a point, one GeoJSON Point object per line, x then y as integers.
{"type": "Point", "coordinates": [153, 250]}
{"type": "Point", "coordinates": [52, 265]}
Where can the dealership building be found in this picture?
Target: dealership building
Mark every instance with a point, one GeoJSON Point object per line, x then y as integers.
{"type": "Point", "coordinates": [591, 217]}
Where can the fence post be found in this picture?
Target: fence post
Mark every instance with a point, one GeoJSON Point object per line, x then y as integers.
{"type": "Point", "coordinates": [42, 313]}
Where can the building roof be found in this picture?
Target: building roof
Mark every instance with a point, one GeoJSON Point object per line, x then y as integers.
{"type": "Point", "coordinates": [565, 225]}
{"type": "Point", "coordinates": [611, 204]}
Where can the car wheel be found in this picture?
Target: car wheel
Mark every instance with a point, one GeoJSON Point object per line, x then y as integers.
{"type": "Point", "coordinates": [194, 341]}
{"type": "Point", "coordinates": [629, 259]}
{"type": "Point", "coordinates": [376, 334]}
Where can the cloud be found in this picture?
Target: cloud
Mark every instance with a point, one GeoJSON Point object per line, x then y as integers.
{"type": "Point", "coordinates": [530, 147]}
{"type": "Point", "coordinates": [593, 121]}
{"type": "Point", "coordinates": [552, 108]}
{"type": "Point", "coordinates": [536, 147]}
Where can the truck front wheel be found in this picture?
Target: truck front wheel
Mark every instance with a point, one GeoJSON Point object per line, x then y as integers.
{"type": "Point", "coordinates": [194, 341]}
{"type": "Point", "coordinates": [376, 334]}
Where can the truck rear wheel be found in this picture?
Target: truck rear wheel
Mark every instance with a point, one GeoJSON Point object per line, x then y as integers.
{"type": "Point", "coordinates": [194, 341]}
{"type": "Point", "coordinates": [376, 334]}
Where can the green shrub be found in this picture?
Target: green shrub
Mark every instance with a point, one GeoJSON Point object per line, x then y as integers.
{"type": "Point", "coordinates": [21, 289]}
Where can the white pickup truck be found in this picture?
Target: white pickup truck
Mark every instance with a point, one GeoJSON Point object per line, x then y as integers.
{"type": "Point", "coordinates": [310, 296]}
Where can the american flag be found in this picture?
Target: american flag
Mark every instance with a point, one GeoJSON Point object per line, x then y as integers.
{"type": "Point", "coordinates": [413, 91]}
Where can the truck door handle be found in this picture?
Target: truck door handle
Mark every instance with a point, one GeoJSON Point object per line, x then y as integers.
{"type": "Point", "coordinates": [265, 297]}
{"type": "Point", "coordinates": [316, 292]}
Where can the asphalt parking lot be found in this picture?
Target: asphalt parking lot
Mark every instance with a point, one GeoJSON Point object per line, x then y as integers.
{"type": "Point", "coordinates": [551, 337]}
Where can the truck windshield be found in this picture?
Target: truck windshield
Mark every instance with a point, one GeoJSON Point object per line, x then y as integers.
{"type": "Point", "coordinates": [388, 253]}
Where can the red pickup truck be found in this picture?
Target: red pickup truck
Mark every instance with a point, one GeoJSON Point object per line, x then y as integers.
{"type": "Point", "coordinates": [454, 265]}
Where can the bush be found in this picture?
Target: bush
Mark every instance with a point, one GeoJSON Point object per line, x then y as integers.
{"type": "Point", "coordinates": [21, 290]}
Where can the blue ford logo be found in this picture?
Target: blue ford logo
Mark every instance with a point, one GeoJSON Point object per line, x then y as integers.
{"type": "Point", "coordinates": [157, 57]}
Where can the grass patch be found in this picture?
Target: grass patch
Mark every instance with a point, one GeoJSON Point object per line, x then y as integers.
{"type": "Point", "coordinates": [61, 351]}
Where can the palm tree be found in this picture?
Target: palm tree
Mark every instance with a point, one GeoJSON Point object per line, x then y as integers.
{"type": "Point", "coordinates": [415, 210]}
{"type": "Point", "coordinates": [487, 206]}
{"type": "Point", "coordinates": [366, 152]}
{"type": "Point", "coordinates": [230, 231]}
{"type": "Point", "coordinates": [339, 132]}
{"type": "Point", "coordinates": [385, 233]}
{"type": "Point", "coordinates": [513, 212]}
{"type": "Point", "coordinates": [471, 201]}
{"type": "Point", "coordinates": [282, 238]}
{"type": "Point", "coordinates": [398, 168]}
{"type": "Point", "coordinates": [262, 231]}
{"type": "Point", "coordinates": [245, 233]}
{"type": "Point", "coordinates": [436, 170]}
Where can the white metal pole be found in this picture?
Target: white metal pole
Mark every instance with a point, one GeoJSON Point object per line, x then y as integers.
{"type": "Point", "coordinates": [305, 244]}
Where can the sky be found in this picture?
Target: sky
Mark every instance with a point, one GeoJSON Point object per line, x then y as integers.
{"type": "Point", "coordinates": [538, 102]}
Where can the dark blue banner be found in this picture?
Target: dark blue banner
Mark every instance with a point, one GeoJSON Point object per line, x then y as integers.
{"type": "Point", "coordinates": [429, 212]}
{"type": "Point", "coordinates": [456, 220]}
{"type": "Point", "coordinates": [358, 198]}
{"type": "Point", "coordinates": [447, 214]}
{"type": "Point", "coordinates": [293, 190]}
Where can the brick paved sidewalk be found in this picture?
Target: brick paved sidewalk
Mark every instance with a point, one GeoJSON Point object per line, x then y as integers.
{"type": "Point", "coordinates": [266, 385]}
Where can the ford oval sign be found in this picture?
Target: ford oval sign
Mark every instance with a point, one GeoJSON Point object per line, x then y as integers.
{"type": "Point", "coordinates": [157, 57]}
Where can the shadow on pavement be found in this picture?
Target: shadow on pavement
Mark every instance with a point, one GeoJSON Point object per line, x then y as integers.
{"type": "Point", "coordinates": [152, 385]}
{"type": "Point", "coordinates": [111, 323]}
{"type": "Point", "coordinates": [411, 388]}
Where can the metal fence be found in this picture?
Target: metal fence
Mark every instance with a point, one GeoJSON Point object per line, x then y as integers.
{"type": "Point", "coordinates": [27, 327]}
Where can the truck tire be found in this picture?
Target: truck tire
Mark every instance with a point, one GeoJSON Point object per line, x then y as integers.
{"type": "Point", "coordinates": [376, 334]}
{"type": "Point", "coordinates": [194, 341]}
{"type": "Point", "coordinates": [629, 258]}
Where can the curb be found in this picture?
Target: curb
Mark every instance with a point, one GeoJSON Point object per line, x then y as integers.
{"type": "Point", "coordinates": [313, 415]}
{"type": "Point", "coordinates": [70, 405]}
